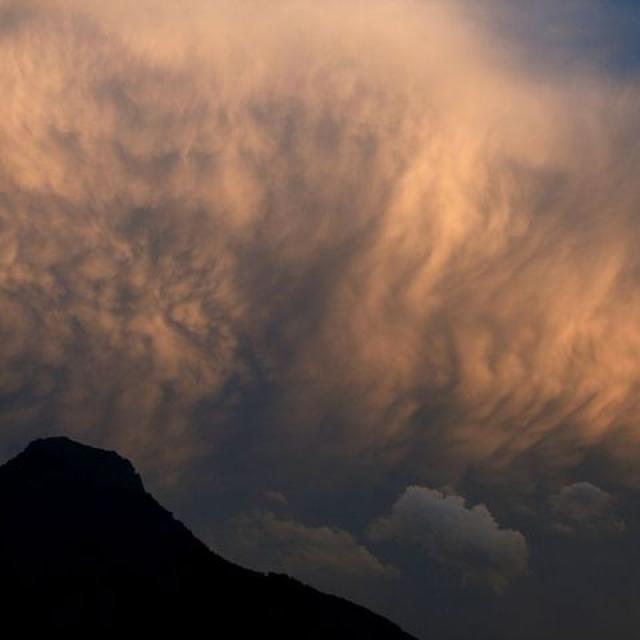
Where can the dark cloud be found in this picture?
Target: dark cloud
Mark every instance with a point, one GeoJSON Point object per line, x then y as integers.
{"type": "Point", "coordinates": [581, 501]}
{"type": "Point", "coordinates": [584, 507]}
{"type": "Point", "coordinates": [467, 538]}
{"type": "Point", "coordinates": [328, 558]}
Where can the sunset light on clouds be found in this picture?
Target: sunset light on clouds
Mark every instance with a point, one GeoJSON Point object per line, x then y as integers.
{"type": "Point", "coordinates": [377, 259]}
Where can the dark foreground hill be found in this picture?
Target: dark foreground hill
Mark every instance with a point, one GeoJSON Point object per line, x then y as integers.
{"type": "Point", "coordinates": [84, 549]}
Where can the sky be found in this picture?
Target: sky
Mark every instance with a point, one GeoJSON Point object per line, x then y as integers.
{"type": "Point", "coordinates": [354, 284]}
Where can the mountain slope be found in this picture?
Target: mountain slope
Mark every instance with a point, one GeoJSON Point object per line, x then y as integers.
{"type": "Point", "coordinates": [84, 548]}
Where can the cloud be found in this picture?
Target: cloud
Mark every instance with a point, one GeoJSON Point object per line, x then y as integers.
{"type": "Point", "coordinates": [334, 249]}
{"type": "Point", "coordinates": [584, 507]}
{"type": "Point", "coordinates": [366, 213]}
{"type": "Point", "coordinates": [467, 538]}
{"type": "Point", "coordinates": [326, 557]}
{"type": "Point", "coordinates": [581, 501]}
{"type": "Point", "coordinates": [276, 497]}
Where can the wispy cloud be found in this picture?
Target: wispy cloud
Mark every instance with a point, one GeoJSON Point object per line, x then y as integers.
{"type": "Point", "coordinates": [367, 208]}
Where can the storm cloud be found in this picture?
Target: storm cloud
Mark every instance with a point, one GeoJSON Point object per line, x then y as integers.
{"type": "Point", "coordinates": [372, 211]}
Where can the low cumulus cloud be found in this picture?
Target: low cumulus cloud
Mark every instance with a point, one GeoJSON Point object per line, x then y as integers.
{"type": "Point", "coordinates": [584, 507]}
{"type": "Point", "coordinates": [582, 501]}
{"type": "Point", "coordinates": [326, 557]}
{"type": "Point", "coordinates": [366, 209]}
{"type": "Point", "coordinates": [467, 538]}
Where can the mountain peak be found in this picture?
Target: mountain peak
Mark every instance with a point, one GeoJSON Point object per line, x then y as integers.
{"type": "Point", "coordinates": [62, 460]}
{"type": "Point", "coordinates": [84, 548]}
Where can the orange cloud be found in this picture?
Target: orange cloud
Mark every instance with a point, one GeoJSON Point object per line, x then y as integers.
{"type": "Point", "coordinates": [409, 235]}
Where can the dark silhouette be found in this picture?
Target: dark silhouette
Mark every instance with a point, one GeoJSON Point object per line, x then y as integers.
{"type": "Point", "coordinates": [84, 548]}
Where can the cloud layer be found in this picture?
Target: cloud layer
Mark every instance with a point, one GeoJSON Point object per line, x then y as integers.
{"type": "Point", "coordinates": [406, 240]}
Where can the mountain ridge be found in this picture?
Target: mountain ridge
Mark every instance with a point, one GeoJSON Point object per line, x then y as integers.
{"type": "Point", "coordinates": [86, 547]}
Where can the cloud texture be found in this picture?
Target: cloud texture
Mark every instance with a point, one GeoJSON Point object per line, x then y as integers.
{"type": "Point", "coordinates": [423, 252]}
{"type": "Point", "coordinates": [581, 501]}
{"type": "Point", "coordinates": [467, 538]}
{"type": "Point", "coordinates": [321, 556]}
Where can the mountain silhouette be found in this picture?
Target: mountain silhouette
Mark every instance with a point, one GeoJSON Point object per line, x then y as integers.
{"type": "Point", "coordinates": [85, 549]}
